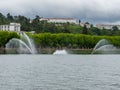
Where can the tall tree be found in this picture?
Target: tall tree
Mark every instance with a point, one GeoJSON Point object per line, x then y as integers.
{"type": "Point", "coordinates": [10, 17]}
{"type": "Point", "coordinates": [79, 21]}
{"type": "Point", "coordinates": [3, 19]}
{"type": "Point", "coordinates": [36, 24]}
{"type": "Point", "coordinates": [114, 30]}
{"type": "Point", "coordinates": [85, 29]}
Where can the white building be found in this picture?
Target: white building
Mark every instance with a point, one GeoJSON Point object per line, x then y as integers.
{"type": "Point", "coordinates": [11, 27]}
{"type": "Point", "coordinates": [106, 26]}
{"type": "Point", "coordinates": [87, 25]}
{"type": "Point", "coordinates": [59, 20]}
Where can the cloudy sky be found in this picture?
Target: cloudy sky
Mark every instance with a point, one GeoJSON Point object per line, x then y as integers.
{"type": "Point", "coordinates": [94, 11]}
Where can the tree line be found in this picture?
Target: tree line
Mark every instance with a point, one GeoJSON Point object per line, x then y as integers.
{"type": "Point", "coordinates": [68, 40]}
{"type": "Point", "coordinates": [43, 26]}
{"type": "Point", "coordinates": [61, 40]}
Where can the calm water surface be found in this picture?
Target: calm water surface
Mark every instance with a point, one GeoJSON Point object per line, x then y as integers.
{"type": "Point", "coordinates": [60, 72]}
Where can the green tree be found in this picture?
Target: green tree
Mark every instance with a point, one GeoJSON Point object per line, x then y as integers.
{"type": "Point", "coordinates": [10, 17]}
{"type": "Point", "coordinates": [115, 28]}
{"type": "Point", "coordinates": [24, 21]}
{"type": "Point", "coordinates": [36, 24]}
{"type": "Point", "coordinates": [3, 19]}
{"type": "Point", "coordinates": [94, 31]}
{"type": "Point", "coordinates": [85, 30]}
{"type": "Point", "coordinates": [79, 21]}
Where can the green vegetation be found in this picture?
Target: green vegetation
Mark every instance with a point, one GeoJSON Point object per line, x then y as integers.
{"type": "Point", "coordinates": [66, 40]}
{"type": "Point", "coordinates": [61, 40]}
{"type": "Point", "coordinates": [59, 35]}
{"type": "Point", "coordinates": [45, 27]}
{"type": "Point", "coordinates": [6, 36]}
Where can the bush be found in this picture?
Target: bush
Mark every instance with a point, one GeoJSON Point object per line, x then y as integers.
{"type": "Point", "coordinates": [6, 36]}
{"type": "Point", "coordinates": [71, 40]}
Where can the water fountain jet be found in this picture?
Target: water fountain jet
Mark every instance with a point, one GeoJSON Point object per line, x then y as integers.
{"type": "Point", "coordinates": [60, 52]}
{"type": "Point", "coordinates": [24, 45]}
{"type": "Point", "coordinates": [104, 47]}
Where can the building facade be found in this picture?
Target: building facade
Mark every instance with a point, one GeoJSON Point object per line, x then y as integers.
{"type": "Point", "coordinates": [106, 26]}
{"type": "Point", "coordinates": [59, 20]}
{"type": "Point", "coordinates": [11, 27]}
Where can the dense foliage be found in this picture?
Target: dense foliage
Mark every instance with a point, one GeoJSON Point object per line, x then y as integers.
{"type": "Point", "coordinates": [61, 40]}
{"type": "Point", "coordinates": [67, 40]}
{"type": "Point", "coordinates": [6, 36]}
{"type": "Point", "coordinates": [58, 35]}
{"type": "Point", "coordinates": [43, 26]}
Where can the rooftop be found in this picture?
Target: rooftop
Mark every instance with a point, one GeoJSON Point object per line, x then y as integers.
{"type": "Point", "coordinates": [58, 18]}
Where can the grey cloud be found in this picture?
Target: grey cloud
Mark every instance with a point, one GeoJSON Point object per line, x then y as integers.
{"type": "Point", "coordinates": [89, 10]}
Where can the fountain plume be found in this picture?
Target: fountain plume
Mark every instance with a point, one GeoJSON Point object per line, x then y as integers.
{"type": "Point", "coordinates": [104, 47]}
{"type": "Point", "coordinates": [60, 52]}
{"type": "Point", "coordinates": [24, 45]}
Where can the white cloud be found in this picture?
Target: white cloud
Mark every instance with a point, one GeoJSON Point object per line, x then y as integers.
{"type": "Point", "coordinates": [93, 10]}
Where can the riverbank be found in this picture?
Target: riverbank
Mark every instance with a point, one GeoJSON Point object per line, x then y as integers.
{"type": "Point", "coordinates": [2, 51]}
{"type": "Point", "coordinates": [69, 50]}
{"type": "Point", "coordinates": [49, 51]}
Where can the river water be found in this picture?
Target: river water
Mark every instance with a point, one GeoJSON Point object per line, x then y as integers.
{"type": "Point", "coordinates": [59, 72]}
